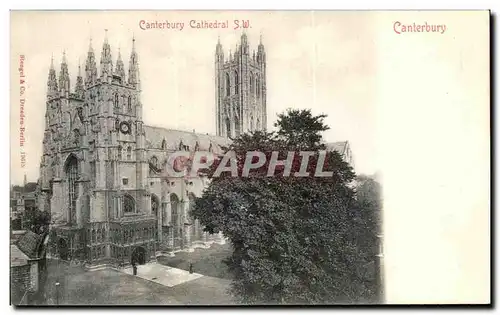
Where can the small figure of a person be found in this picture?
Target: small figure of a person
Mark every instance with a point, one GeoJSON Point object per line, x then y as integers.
{"type": "Point", "coordinates": [134, 268]}
{"type": "Point", "coordinates": [190, 267]}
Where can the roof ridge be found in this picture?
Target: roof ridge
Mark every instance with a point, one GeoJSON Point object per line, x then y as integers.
{"type": "Point", "coordinates": [184, 131]}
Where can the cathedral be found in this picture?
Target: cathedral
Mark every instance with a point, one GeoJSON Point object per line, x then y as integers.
{"type": "Point", "coordinates": [103, 171]}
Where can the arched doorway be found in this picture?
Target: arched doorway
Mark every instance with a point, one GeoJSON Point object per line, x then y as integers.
{"type": "Point", "coordinates": [154, 205]}
{"type": "Point", "coordinates": [138, 256]}
{"type": "Point", "coordinates": [228, 128]}
{"type": "Point", "coordinates": [195, 229]}
{"type": "Point", "coordinates": [176, 221]}
{"type": "Point", "coordinates": [62, 248]}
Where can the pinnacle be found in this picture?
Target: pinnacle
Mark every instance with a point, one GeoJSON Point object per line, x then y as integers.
{"type": "Point", "coordinates": [90, 45]}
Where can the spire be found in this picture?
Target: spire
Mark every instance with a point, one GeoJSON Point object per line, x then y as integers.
{"type": "Point", "coordinates": [261, 45]}
{"type": "Point", "coordinates": [244, 50]}
{"type": "Point", "coordinates": [90, 67]}
{"type": "Point", "coordinates": [52, 90]}
{"type": "Point", "coordinates": [219, 52]}
{"type": "Point", "coordinates": [120, 68]}
{"type": "Point", "coordinates": [79, 89]}
{"type": "Point", "coordinates": [106, 60]}
{"type": "Point", "coordinates": [64, 82]}
{"type": "Point", "coordinates": [261, 54]}
{"type": "Point", "coordinates": [218, 47]}
{"type": "Point", "coordinates": [133, 68]}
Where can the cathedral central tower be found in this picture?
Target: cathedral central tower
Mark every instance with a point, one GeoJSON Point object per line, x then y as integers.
{"type": "Point", "coordinates": [240, 82]}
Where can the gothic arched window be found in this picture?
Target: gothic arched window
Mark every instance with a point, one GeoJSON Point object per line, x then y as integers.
{"type": "Point", "coordinates": [252, 84]}
{"type": "Point", "coordinates": [128, 204]}
{"type": "Point", "coordinates": [99, 235]}
{"type": "Point", "coordinates": [76, 137]}
{"type": "Point", "coordinates": [154, 205]}
{"type": "Point", "coordinates": [129, 103]}
{"type": "Point", "coordinates": [174, 205]}
{"type": "Point", "coordinates": [72, 176]}
{"type": "Point", "coordinates": [154, 161]}
{"type": "Point", "coordinates": [116, 101]}
{"type": "Point", "coordinates": [228, 85]}
{"type": "Point", "coordinates": [192, 200]}
{"type": "Point", "coordinates": [236, 82]}
{"type": "Point", "coordinates": [120, 152]}
{"type": "Point", "coordinates": [236, 126]}
{"type": "Point", "coordinates": [129, 153]}
{"type": "Point", "coordinates": [228, 127]}
{"type": "Point", "coordinates": [257, 87]}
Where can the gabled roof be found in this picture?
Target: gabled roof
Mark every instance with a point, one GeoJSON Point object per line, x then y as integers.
{"type": "Point", "coordinates": [30, 243]}
{"type": "Point", "coordinates": [174, 139]}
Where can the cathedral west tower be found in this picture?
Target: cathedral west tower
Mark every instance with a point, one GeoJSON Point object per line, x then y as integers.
{"type": "Point", "coordinates": [94, 169]}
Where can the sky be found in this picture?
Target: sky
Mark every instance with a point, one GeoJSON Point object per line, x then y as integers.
{"type": "Point", "coordinates": [321, 61]}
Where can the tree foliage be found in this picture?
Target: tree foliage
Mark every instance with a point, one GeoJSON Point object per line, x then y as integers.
{"type": "Point", "coordinates": [36, 221]}
{"type": "Point", "coordinates": [295, 239]}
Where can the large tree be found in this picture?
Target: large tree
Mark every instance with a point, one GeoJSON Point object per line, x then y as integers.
{"type": "Point", "coordinates": [295, 239]}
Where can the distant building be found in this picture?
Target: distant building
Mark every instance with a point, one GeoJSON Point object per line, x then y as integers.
{"type": "Point", "coordinates": [23, 199]}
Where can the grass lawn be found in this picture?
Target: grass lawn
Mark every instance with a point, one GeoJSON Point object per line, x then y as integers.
{"type": "Point", "coordinates": [208, 262]}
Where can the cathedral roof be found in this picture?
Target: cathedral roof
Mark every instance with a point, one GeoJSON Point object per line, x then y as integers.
{"type": "Point", "coordinates": [340, 147]}
{"type": "Point", "coordinates": [189, 140]}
